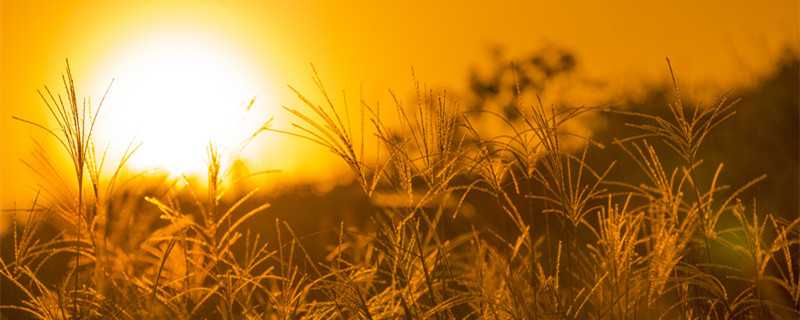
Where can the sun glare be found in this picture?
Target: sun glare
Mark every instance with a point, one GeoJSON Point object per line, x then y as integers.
{"type": "Point", "coordinates": [176, 93]}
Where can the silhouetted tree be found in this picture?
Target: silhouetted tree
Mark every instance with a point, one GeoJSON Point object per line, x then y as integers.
{"type": "Point", "coordinates": [497, 89]}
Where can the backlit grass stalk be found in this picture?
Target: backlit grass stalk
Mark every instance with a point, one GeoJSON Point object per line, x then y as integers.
{"type": "Point", "coordinates": [75, 134]}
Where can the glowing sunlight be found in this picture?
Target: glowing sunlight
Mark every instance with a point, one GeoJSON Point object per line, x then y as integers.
{"type": "Point", "coordinates": [417, 159]}
{"type": "Point", "coordinates": [176, 92]}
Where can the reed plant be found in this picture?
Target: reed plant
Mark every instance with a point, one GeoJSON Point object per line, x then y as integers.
{"type": "Point", "coordinates": [581, 245]}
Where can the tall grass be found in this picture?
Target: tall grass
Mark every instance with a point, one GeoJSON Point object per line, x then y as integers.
{"type": "Point", "coordinates": [580, 245]}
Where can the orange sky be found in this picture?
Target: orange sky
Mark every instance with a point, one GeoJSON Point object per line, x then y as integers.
{"type": "Point", "coordinates": [724, 43]}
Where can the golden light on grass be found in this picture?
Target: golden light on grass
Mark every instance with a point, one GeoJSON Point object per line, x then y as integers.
{"type": "Point", "coordinates": [536, 185]}
{"type": "Point", "coordinates": [177, 91]}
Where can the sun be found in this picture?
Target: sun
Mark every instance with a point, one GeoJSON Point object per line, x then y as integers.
{"type": "Point", "coordinates": [175, 92]}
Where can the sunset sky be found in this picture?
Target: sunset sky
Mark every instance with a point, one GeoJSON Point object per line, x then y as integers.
{"type": "Point", "coordinates": [176, 64]}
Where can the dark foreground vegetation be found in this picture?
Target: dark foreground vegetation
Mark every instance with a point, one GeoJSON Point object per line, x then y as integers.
{"type": "Point", "coordinates": [639, 221]}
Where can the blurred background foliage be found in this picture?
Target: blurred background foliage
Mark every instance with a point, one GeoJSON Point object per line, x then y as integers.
{"type": "Point", "coordinates": [763, 137]}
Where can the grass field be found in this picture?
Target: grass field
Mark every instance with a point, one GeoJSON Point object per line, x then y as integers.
{"type": "Point", "coordinates": [531, 222]}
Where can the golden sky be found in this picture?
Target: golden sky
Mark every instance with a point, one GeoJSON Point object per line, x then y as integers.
{"type": "Point", "coordinates": [241, 49]}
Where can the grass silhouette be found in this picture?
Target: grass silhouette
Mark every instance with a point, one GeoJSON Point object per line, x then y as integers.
{"type": "Point", "coordinates": [581, 245]}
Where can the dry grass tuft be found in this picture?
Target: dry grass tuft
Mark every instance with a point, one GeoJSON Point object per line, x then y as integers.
{"type": "Point", "coordinates": [578, 244]}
